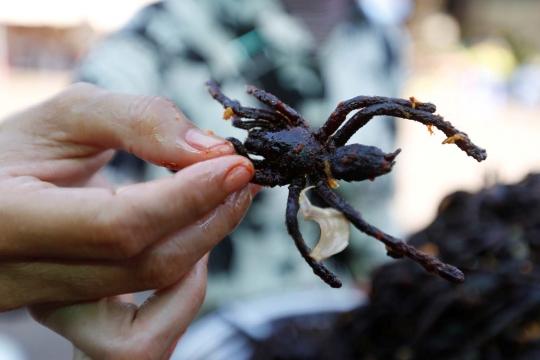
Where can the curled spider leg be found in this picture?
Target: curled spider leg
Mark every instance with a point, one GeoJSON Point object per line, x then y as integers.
{"type": "Point", "coordinates": [293, 206]}
{"type": "Point", "coordinates": [359, 119]}
{"type": "Point", "coordinates": [238, 147]}
{"type": "Point", "coordinates": [239, 110]}
{"type": "Point", "coordinates": [396, 247]}
{"type": "Point", "coordinates": [291, 115]}
{"type": "Point", "coordinates": [241, 150]}
{"type": "Point", "coordinates": [344, 108]}
{"type": "Point", "coordinates": [251, 124]}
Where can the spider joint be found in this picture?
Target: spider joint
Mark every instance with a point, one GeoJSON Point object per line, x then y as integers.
{"type": "Point", "coordinates": [454, 138]}
{"type": "Point", "coordinates": [228, 113]}
{"type": "Point", "coordinates": [331, 179]}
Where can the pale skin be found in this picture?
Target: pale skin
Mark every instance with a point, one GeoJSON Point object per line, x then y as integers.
{"type": "Point", "coordinates": [70, 245]}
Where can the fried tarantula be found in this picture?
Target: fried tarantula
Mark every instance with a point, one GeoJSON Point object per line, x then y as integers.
{"type": "Point", "coordinates": [293, 153]}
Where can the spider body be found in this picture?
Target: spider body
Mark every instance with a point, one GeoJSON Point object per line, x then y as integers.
{"type": "Point", "coordinates": [292, 154]}
{"type": "Point", "coordinates": [297, 152]}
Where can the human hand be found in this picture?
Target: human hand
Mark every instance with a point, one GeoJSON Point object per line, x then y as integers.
{"type": "Point", "coordinates": [115, 328]}
{"type": "Point", "coordinates": [65, 238]}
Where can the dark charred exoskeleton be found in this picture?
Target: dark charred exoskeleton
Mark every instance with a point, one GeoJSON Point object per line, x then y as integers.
{"type": "Point", "coordinates": [292, 153]}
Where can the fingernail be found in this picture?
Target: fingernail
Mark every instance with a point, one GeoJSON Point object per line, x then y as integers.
{"type": "Point", "coordinates": [203, 141]}
{"type": "Point", "coordinates": [236, 178]}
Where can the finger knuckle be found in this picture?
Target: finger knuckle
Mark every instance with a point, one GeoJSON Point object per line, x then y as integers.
{"type": "Point", "coordinates": [67, 100]}
{"type": "Point", "coordinates": [145, 113]}
{"type": "Point", "coordinates": [163, 270]}
{"type": "Point", "coordinates": [198, 195]}
{"type": "Point", "coordinates": [121, 234]}
{"type": "Point", "coordinates": [163, 279]}
{"type": "Point", "coordinates": [125, 244]}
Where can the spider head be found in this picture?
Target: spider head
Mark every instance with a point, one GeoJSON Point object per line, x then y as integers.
{"type": "Point", "coordinates": [357, 162]}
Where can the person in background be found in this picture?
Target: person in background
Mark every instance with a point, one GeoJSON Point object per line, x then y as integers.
{"type": "Point", "coordinates": [311, 54]}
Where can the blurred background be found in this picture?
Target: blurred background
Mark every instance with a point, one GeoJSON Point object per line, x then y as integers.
{"type": "Point", "coordinates": [477, 60]}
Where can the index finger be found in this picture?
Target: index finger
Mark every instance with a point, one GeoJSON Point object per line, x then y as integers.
{"type": "Point", "coordinates": [150, 127]}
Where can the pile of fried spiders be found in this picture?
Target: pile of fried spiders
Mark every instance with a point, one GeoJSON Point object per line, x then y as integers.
{"type": "Point", "coordinates": [292, 154]}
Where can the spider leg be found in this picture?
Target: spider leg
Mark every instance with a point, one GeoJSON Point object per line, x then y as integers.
{"type": "Point", "coordinates": [343, 109]}
{"type": "Point", "coordinates": [396, 247]}
{"type": "Point", "coordinates": [250, 124]}
{"type": "Point", "coordinates": [291, 115]}
{"type": "Point", "coordinates": [241, 150]}
{"type": "Point", "coordinates": [359, 119]}
{"type": "Point", "coordinates": [242, 111]}
{"type": "Point", "coordinates": [293, 207]}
